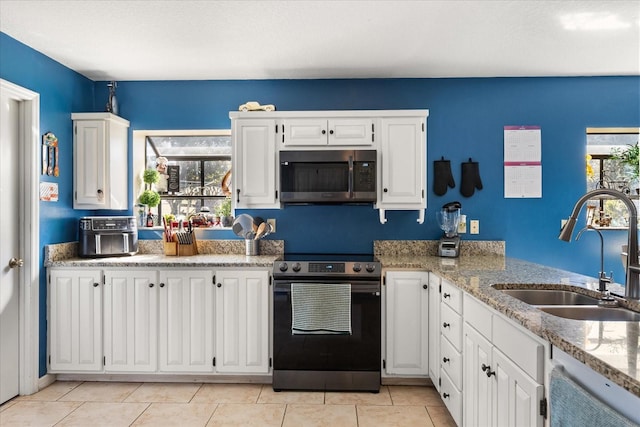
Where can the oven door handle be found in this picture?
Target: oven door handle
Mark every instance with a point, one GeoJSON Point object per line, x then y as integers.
{"type": "Point", "coordinates": [357, 288]}
{"type": "Point", "coordinates": [351, 177]}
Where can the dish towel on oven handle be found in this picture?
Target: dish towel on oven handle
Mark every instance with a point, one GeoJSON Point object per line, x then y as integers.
{"type": "Point", "coordinates": [321, 308]}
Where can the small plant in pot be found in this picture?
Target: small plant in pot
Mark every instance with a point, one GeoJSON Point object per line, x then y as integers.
{"type": "Point", "coordinates": [149, 196]}
{"type": "Point", "coordinates": [223, 210]}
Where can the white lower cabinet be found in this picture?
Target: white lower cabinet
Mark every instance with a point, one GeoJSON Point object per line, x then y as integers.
{"type": "Point", "coordinates": [407, 323]}
{"type": "Point", "coordinates": [159, 320]}
{"type": "Point", "coordinates": [75, 320]}
{"type": "Point", "coordinates": [131, 320]}
{"type": "Point", "coordinates": [242, 321]}
{"type": "Point", "coordinates": [503, 371]}
{"type": "Point", "coordinates": [186, 320]}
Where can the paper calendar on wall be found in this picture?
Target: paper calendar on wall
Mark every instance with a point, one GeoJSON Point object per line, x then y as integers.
{"type": "Point", "coordinates": [522, 162]}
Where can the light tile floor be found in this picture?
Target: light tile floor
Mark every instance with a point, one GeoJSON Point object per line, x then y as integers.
{"type": "Point", "coordinates": [113, 404]}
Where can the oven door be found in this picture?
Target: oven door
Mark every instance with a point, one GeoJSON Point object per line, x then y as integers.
{"type": "Point", "coordinates": [358, 350]}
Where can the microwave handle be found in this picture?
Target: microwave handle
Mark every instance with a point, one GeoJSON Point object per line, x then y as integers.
{"type": "Point", "coordinates": [350, 177]}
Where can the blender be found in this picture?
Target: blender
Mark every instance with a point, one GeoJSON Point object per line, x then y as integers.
{"type": "Point", "coordinates": [448, 218]}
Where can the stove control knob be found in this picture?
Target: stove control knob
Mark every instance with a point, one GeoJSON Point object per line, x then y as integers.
{"type": "Point", "coordinates": [370, 268]}
{"type": "Point", "coordinates": [357, 267]}
{"type": "Point", "coordinates": [296, 267]}
{"type": "Point", "coordinates": [283, 266]}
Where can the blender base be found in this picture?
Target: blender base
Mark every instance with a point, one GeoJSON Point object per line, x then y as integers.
{"type": "Point", "coordinates": [449, 247]}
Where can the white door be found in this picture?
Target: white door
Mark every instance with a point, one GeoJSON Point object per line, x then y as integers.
{"type": "Point", "coordinates": [477, 376]}
{"type": "Point", "coordinates": [434, 329]}
{"type": "Point", "coordinates": [186, 320]}
{"type": "Point", "coordinates": [407, 323]}
{"type": "Point", "coordinates": [242, 321]}
{"type": "Point", "coordinates": [9, 248]}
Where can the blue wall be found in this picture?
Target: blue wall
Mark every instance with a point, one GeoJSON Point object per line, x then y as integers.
{"type": "Point", "coordinates": [466, 120]}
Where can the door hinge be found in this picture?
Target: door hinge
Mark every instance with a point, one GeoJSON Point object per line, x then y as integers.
{"type": "Point", "coordinates": [104, 280]}
{"type": "Point", "coordinates": [213, 281]}
{"type": "Point", "coordinates": [49, 359]}
{"type": "Point", "coordinates": [75, 130]}
{"type": "Point", "coordinates": [214, 361]}
{"type": "Point", "coordinates": [423, 127]}
{"type": "Point", "coordinates": [423, 193]}
{"type": "Point", "coordinates": [543, 407]}
{"type": "Point", "coordinates": [384, 280]}
{"type": "Point", "coordinates": [270, 362]}
{"type": "Point", "coordinates": [439, 289]}
{"type": "Point", "coordinates": [384, 364]}
{"type": "Point", "coordinates": [439, 382]}
{"type": "Point", "coordinates": [276, 128]}
{"type": "Point", "coordinates": [270, 280]}
{"type": "Point", "coordinates": [276, 194]}
{"type": "Point", "coordinates": [104, 360]}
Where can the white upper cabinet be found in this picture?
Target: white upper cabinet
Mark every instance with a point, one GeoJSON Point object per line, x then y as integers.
{"type": "Point", "coordinates": [319, 132]}
{"type": "Point", "coordinates": [100, 153]}
{"type": "Point", "coordinates": [254, 163]}
{"type": "Point", "coordinates": [402, 182]}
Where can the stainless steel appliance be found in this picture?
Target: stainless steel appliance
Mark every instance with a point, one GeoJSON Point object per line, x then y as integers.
{"type": "Point", "coordinates": [328, 176]}
{"type": "Point", "coordinates": [449, 219]}
{"type": "Point", "coordinates": [102, 236]}
{"type": "Point", "coordinates": [327, 323]}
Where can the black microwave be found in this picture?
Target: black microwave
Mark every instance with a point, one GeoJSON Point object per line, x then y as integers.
{"type": "Point", "coordinates": [328, 177]}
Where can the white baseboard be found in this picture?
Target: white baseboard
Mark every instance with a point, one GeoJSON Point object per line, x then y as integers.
{"type": "Point", "coordinates": [46, 380]}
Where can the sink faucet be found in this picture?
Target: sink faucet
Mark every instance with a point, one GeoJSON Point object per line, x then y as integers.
{"type": "Point", "coordinates": [603, 280]}
{"type": "Point", "coordinates": [632, 281]}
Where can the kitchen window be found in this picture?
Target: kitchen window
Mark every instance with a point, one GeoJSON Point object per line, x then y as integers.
{"type": "Point", "coordinates": [192, 166]}
{"type": "Point", "coordinates": [604, 170]}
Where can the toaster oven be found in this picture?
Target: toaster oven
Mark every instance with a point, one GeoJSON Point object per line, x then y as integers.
{"type": "Point", "coordinates": [102, 236]}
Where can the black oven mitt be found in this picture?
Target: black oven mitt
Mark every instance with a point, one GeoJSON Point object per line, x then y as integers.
{"type": "Point", "coordinates": [470, 178]}
{"type": "Point", "coordinates": [442, 176]}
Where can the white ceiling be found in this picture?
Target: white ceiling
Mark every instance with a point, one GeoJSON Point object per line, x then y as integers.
{"type": "Point", "coordinates": [304, 39]}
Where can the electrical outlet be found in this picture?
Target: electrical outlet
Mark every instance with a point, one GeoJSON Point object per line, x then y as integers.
{"type": "Point", "coordinates": [272, 223]}
{"type": "Point", "coordinates": [475, 226]}
{"type": "Point", "coordinates": [462, 225]}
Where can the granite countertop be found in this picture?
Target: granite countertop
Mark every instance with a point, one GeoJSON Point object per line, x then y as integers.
{"type": "Point", "coordinates": [609, 348]}
{"type": "Point", "coordinates": [160, 260]}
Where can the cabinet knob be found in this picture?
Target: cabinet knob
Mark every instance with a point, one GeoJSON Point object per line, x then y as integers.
{"type": "Point", "coordinates": [219, 285]}
{"type": "Point", "coordinates": [446, 325]}
{"type": "Point", "coordinates": [162, 285]}
{"type": "Point", "coordinates": [424, 286]}
{"type": "Point", "coordinates": [151, 285]}
{"type": "Point", "coordinates": [331, 132]}
{"type": "Point", "coordinates": [386, 190]}
{"type": "Point", "coordinates": [324, 131]}
{"type": "Point", "coordinates": [445, 359]}
{"type": "Point", "coordinates": [487, 370]}
{"type": "Point", "coordinates": [445, 395]}
{"type": "Point", "coordinates": [95, 285]}
{"type": "Point", "coordinates": [445, 295]}
{"type": "Point", "coordinates": [490, 373]}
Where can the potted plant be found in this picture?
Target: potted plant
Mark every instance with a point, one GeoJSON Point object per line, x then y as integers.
{"type": "Point", "coordinates": [223, 210]}
{"type": "Point", "coordinates": [149, 196]}
{"type": "Point", "coordinates": [629, 156]}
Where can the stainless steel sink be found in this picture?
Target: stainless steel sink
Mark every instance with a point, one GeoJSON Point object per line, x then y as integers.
{"type": "Point", "coordinates": [585, 312]}
{"type": "Point", "coordinates": [550, 297]}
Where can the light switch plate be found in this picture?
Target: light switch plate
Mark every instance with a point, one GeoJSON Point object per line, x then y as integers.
{"type": "Point", "coordinates": [272, 222]}
{"type": "Point", "coordinates": [475, 226]}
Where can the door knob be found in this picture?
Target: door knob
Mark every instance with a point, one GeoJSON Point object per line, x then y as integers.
{"type": "Point", "coordinates": [16, 262]}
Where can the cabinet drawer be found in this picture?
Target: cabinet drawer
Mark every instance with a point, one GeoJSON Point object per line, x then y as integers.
{"type": "Point", "coordinates": [451, 362]}
{"type": "Point", "coordinates": [451, 326]}
{"type": "Point", "coordinates": [452, 398]}
{"type": "Point", "coordinates": [478, 315]}
{"type": "Point", "coordinates": [452, 296]}
{"type": "Point", "coordinates": [522, 349]}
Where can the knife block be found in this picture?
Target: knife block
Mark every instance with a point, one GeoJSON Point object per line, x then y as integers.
{"type": "Point", "coordinates": [188, 249]}
{"type": "Point", "coordinates": [170, 248]}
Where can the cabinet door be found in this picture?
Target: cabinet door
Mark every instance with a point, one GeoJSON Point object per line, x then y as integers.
{"type": "Point", "coordinates": [90, 152]}
{"type": "Point", "coordinates": [131, 320]}
{"type": "Point", "coordinates": [75, 320]}
{"type": "Point", "coordinates": [434, 329]}
{"type": "Point", "coordinates": [242, 321]}
{"type": "Point", "coordinates": [403, 163]}
{"type": "Point", "coordinates": [407, 322]}
{"type": "Point", "coordinates": [254, 164]}
{"type": "Point", "coordinates": [476, 384]}
{"type": "Point", "coordinates": [186, 320]}
{"type": "Point", "coordinates": [351, 132]}
{"type": "Point", "coordinates": [305, 132]}
{"type": "Point", "coordinates": [516, 396]}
